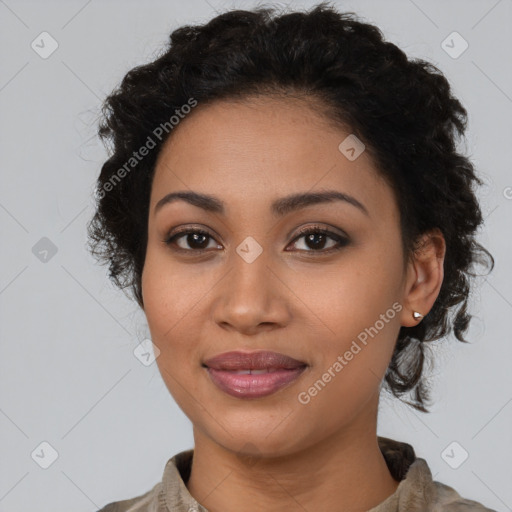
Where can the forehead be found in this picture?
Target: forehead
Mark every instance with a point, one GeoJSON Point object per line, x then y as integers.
{"type": "Point", "coordinates": [261, 149]}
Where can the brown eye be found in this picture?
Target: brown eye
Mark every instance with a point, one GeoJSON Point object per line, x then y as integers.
{"type": "Point", "coordinates": [193, 240]}
{"type": "Point", "coordinates": [316, 239]}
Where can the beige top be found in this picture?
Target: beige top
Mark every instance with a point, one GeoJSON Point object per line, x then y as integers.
{"type": "Point", "coordinates": [417, 492]}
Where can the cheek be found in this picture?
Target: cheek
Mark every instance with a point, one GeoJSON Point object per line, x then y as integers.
{"type": "Point", "coordinates": [353, 294]}
{"type": "Point", "coordinates": [357, 305]}
{"type": "Point", "coordinates": [169, 295]}
{"type": "Point", "coordinates": [363, 319]}
{"type": "Point", "coordinates": [169, 310]}
{"type": "Point", "coordinates": [170, 316]}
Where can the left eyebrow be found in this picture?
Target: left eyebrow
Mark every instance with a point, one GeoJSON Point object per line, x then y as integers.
{"type": "Point", "coordinates": [279, 207]}
{"type": "Point", "coordinates": [295, 202]}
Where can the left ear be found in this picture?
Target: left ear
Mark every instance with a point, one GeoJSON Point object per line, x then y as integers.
{"type": "Point", "coordinates": [424, 276]}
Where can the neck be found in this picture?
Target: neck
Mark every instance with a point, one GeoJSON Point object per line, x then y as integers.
{"type": "Point", "coordinates": [345, 472]}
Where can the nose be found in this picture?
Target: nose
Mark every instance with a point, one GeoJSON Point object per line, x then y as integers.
{"type": "Point", "coordinates": [251, 298]}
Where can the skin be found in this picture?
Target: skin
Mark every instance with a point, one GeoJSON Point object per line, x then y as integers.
{"type": "Point", "coordinates": [276, 453]}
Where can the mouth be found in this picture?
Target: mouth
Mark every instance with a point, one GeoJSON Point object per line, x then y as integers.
{"type": "Point", "coordinates": [253, 374]}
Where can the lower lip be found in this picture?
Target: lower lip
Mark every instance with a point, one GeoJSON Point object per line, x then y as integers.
{"type": "Point", "coordinates": [253, 385]}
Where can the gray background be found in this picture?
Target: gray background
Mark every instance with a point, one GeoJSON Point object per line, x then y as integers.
{"type": "Point", "coordinates": [68, 373]}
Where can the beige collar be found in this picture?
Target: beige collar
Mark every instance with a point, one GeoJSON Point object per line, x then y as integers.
{"type": "Point", "coordinates": [417, 492]}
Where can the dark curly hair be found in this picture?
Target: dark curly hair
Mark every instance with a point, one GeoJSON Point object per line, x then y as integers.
{"type": "Point", "coordinates": [403, 110]}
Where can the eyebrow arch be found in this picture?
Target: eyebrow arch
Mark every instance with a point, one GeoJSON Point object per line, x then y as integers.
{"type": "Point", "coordinates": [279, 207]}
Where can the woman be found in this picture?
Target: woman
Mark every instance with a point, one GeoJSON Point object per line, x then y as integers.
{"type": "Point", "coordinates": [286, 203]}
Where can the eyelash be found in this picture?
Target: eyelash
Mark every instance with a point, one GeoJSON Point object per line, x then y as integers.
{"type": "Point", "coordinates": [341, 240]}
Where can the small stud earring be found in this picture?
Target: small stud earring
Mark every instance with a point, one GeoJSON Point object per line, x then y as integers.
{"type": "Point", "coordinates": [416, 315]}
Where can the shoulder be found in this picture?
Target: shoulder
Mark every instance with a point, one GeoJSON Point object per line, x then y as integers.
{"type": "Point", "coordinates": [141, 503]}
{"type": "Point", "coordinates": [440, 497]}
{"type": "Point", "coordinates": [417, 490]}
{"type": "Point", "coordinates": [169, 494]}
{"type": "Point", "coordinates": [451, 501]}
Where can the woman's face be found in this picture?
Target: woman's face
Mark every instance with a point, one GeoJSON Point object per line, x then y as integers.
{"type": "Point", "coordinates": [331, 302]}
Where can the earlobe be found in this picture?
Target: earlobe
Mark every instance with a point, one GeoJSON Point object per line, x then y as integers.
{"type": "Point", "coordinates": [427, 270]}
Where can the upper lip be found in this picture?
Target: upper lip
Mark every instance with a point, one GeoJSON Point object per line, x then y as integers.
{"type": "Point", "coordinates": [253, 361]}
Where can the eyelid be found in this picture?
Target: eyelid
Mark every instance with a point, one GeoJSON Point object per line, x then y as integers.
{"type": "Point", "coordinates": [320, 226]}
{"type": "Point", "coordinates": [188, 227]}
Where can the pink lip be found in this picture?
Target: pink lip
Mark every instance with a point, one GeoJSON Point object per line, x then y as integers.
{"type": "Point", "coordinates": [280, 370]}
